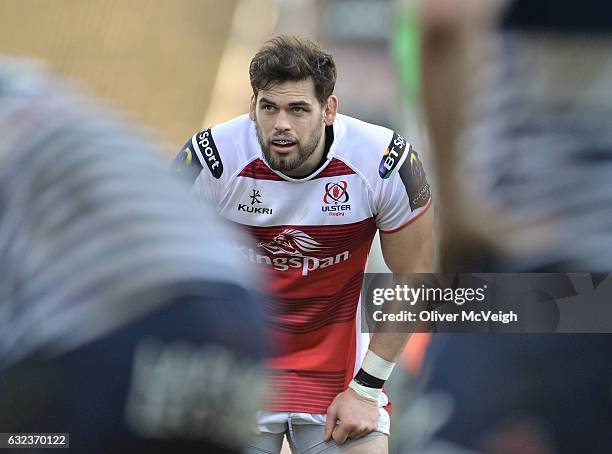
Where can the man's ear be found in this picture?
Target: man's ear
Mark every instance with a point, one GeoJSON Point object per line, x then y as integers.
{"type": "Point", "coordinates": [330, 109]}
{"type": "Point", "coordinates": [252, 107]}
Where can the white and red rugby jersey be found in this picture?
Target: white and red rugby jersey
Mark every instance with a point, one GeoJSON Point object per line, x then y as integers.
{"type": "Point", "coordinates": [312, 238]}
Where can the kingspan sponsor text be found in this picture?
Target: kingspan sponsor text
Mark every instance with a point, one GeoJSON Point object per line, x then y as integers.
{"type": "Point", "coordinates": [306, 263]}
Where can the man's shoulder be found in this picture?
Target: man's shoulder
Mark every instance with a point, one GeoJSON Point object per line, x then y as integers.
{"type": "Point", "coordinates": [356, 127]}
{"type": "Point", "coordinates": [232, 131]}
{"type": "Point", "coordinates": [372, 150]}
{"type": "Point", "coordinates": [225, 147]}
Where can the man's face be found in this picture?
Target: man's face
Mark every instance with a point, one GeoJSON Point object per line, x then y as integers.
{"type": "Point", "coordinates": [290, 124]}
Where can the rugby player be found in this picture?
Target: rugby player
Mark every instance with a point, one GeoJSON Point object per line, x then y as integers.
{"type": "Point", "coordinates": [313, 186]}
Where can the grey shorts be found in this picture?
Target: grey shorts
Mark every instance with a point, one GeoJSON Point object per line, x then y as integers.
{"type": "Point", "coordinates": [303, 438]}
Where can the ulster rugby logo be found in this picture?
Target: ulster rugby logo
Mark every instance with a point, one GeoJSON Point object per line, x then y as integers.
{"type": "Point", "coordinates": [291, 242]}
{"type": "Point", "coordinates": [336, 193]}
{"type": "Point", "coordinates": [335, 198]}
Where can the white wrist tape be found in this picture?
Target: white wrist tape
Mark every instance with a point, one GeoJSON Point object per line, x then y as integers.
{"type": "Point", "coordinates": [377, 366]}
{"type": "Point", "coordinates": [364, 391]}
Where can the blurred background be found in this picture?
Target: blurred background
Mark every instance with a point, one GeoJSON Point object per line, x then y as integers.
{"type": "Point", "coordinates": [181, 65]}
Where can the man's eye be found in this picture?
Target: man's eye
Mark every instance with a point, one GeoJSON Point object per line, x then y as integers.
{"type": "Point", "coordinates": [268, 108]}
{"type": "Point", "coordinates": [298, 110]}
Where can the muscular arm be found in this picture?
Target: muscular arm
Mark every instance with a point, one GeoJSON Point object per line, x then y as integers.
{"type": "Point", "coordinates": [409, 250]}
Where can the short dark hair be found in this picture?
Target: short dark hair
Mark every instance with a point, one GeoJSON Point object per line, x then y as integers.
{"type": "Point", "coordinates": [292, 58]}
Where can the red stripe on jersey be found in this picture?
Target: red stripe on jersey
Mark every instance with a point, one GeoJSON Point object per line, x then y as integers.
{"type": "Point", "coordinates": [334, 169]}
{"type": "Point", "coordinates": [303, 315]}
{"type": "Point", "coordinates": [311, 391]}
{"type": "Point", "coordinates": [258, 170]}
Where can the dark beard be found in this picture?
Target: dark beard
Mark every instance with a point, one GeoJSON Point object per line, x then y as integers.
{"type": "Point", "coordinates": [287, 164]}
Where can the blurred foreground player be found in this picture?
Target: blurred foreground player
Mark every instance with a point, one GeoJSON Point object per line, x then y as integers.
{"type": "Point", "coordinates": [120, 299]}
{"type": "Point", "coordinates": [518, 95]}
{"type": "Point", "coordinates": [313, 187]}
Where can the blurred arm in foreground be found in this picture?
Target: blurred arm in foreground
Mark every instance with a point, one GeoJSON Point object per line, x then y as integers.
{"type": "Point", "coordinates": [455, 34]}
{"type": "Point", "coordinates": [517, 101]}
{"type": "Point", "coordinates": [120, 297]}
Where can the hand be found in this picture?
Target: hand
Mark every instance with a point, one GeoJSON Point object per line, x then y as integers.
{"type": "Point", "coordinates": [358, 416]}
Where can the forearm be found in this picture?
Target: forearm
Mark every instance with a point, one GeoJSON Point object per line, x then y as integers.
{"type": "Point", "coordinates": [389, 346]}
{"type": "Point", "coordinates": [411, 249]}
{"type": "Point", "coordinates": [378, 364]}
{"type": "Point", "coordinates": [385, 346]}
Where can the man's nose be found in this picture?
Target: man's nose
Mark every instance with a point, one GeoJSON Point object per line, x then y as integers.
{"type": "Point", "coordinates": [282, 122]}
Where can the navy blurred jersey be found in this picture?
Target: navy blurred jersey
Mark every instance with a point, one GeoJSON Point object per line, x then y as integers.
{"type": "Point", "coordinates": [120, 298]}
{"type": "Point", "coordinates": [592, 16]}
{"type": "Point", "coordinates": [539, 152]}
{"type": "Point", "coordinates": [537, 142]}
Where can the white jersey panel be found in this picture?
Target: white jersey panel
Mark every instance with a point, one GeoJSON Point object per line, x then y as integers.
{"type": "Point", "coordinates": [324, 201]}
{"type": "Point", "coordinates": [391, 170]}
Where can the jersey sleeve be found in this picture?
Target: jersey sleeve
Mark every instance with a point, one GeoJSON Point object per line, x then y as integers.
{"type": "Point", "coordinates": [402, 192]}
{"type": "Point", "coordinates": [199, 162]}
{"type": "Point", "coordinates": [186, 163]}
